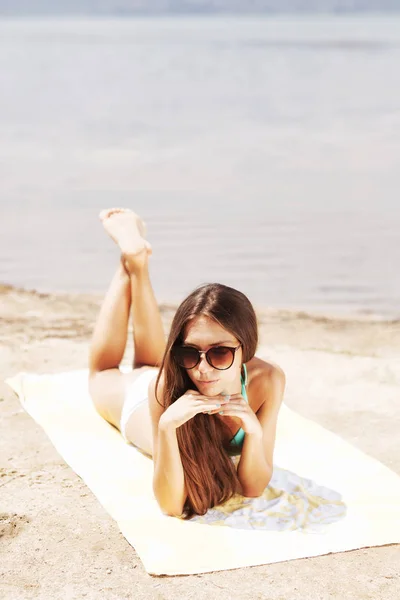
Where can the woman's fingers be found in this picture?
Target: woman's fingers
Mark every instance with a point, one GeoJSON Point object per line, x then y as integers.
{"type": "Point", "coordinates": [207, 404]}
{"type": "Point", "coordinates": [229, 409]}
{"type": "Point", "coordinates": [234, 408]}
{"type": "Point", "coordinates": [212, 406]}
{"type": "Point", "coordinates": [215, 404]}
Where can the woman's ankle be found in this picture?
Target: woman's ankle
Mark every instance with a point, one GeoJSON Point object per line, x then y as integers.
{"type": "Point", "coordinates": [135, 264]}
{"type": "Point", "coordinates": [122, 270]}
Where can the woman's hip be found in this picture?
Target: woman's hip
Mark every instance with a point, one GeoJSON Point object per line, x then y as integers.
{"type": "Point", "coordinates": [136, 398]}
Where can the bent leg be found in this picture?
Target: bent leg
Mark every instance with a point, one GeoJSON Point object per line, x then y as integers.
{"type": "Point", "coordinates": [110, 333]}
{"type": "Point", "coordinates": [129, 285]}
{"type": "Point", "coordinates": [130, 291]}
{"type": "Point", "coordinates": [148, 331]}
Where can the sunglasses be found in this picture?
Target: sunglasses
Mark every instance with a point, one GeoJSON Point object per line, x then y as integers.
{"type": "Point", "coordinates": [219, 357]}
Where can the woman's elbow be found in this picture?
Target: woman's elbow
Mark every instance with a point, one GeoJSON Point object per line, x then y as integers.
{"type": "Point", "coordinates": [171, 510]}
{"type": "Point", "coordinates": [252, 493]}
{"type": "Point", "coordinates": [167, 505]}
{"type": "Point", "coordinates": [172, 513]}
{"type": "Point", "coordinates": [255, 491]}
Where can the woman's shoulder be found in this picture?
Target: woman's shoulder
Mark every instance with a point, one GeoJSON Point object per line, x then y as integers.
{"type": "Point", "coordinates": [260, 375]}
{"type": "Point", "coordinates": [258, 368]}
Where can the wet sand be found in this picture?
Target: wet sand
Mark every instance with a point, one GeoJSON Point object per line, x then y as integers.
{"type": "Point", "coordinates": [58, 542]}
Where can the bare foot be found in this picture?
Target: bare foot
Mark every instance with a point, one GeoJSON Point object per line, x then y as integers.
{"type": "Point", "coordinates": [127, 230]}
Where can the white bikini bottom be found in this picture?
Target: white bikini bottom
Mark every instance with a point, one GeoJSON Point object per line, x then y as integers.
{"type": "Point", "coordinates": [136, 395]}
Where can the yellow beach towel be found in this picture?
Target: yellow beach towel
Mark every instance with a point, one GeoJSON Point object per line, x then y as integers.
{"type": "Point", "coordinates": [325, 495]}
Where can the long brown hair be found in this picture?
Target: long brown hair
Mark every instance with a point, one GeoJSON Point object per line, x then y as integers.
{"type": "Point", "coordinates": [208, 482]}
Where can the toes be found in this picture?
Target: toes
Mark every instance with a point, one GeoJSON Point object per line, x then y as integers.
{"type": "Point", "coordinates": [113, 211]}
{"type": "Point", "coordinates": [104, 214]}
{"type": "Point", "coordinates": [141, 225]}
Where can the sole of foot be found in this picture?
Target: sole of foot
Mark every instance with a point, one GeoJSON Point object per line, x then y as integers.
{"type": "Point", "coordinates": [126, 229]}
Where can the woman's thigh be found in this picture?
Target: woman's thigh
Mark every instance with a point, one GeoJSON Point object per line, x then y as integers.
{"type": "Point", "coordinates": [108, 390]}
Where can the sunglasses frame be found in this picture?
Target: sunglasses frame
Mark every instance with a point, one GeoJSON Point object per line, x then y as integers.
{"type": "Point", "coordinates": [205, 353]}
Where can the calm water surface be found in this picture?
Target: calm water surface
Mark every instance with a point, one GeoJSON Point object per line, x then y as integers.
{"type": "Point", "coordinates": [264, 153]}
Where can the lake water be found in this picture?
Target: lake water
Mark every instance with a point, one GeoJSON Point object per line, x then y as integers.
{"type": "Point", "coordinates": [263, 152]}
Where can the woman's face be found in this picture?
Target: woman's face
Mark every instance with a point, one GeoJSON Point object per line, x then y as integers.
{"type": "Point", "coordinates": [203, 333]}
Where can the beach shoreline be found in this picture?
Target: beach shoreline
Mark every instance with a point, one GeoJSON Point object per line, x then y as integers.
{"type": "Point", "coordinates": [34, 320]}
{"type": "Point", "coordinates": [59, 542]}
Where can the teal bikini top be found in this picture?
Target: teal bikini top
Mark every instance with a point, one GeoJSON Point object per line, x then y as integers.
{"type": "Point", "coordinates": [237, 440]}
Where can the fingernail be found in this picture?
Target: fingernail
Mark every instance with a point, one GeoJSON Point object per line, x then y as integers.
{"type": "Point", "coordinates": [221, 412]}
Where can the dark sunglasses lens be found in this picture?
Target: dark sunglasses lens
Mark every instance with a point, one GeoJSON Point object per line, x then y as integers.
{"type": "Point", "coordinates": [186, 357]}
{"type": "Point", "coordinates": [220, 357]}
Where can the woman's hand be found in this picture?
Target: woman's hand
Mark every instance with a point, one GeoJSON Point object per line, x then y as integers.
{"type": "Point", "coordinates": [238, 407]}
{"type": "Point", "coordinates": [189, 405]}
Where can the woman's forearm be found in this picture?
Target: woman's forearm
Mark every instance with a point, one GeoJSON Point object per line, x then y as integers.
{"type": "Point", "coordinates": [168, 480]}
{"type": "Point", "coordinates": [253, 470]}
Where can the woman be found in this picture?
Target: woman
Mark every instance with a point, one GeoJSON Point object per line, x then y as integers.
{"type": "Point", "coordinates": [194, 400]}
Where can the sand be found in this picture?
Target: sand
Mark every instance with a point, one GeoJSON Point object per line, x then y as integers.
{"type": "Point", "coordinates": [58, 542]}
